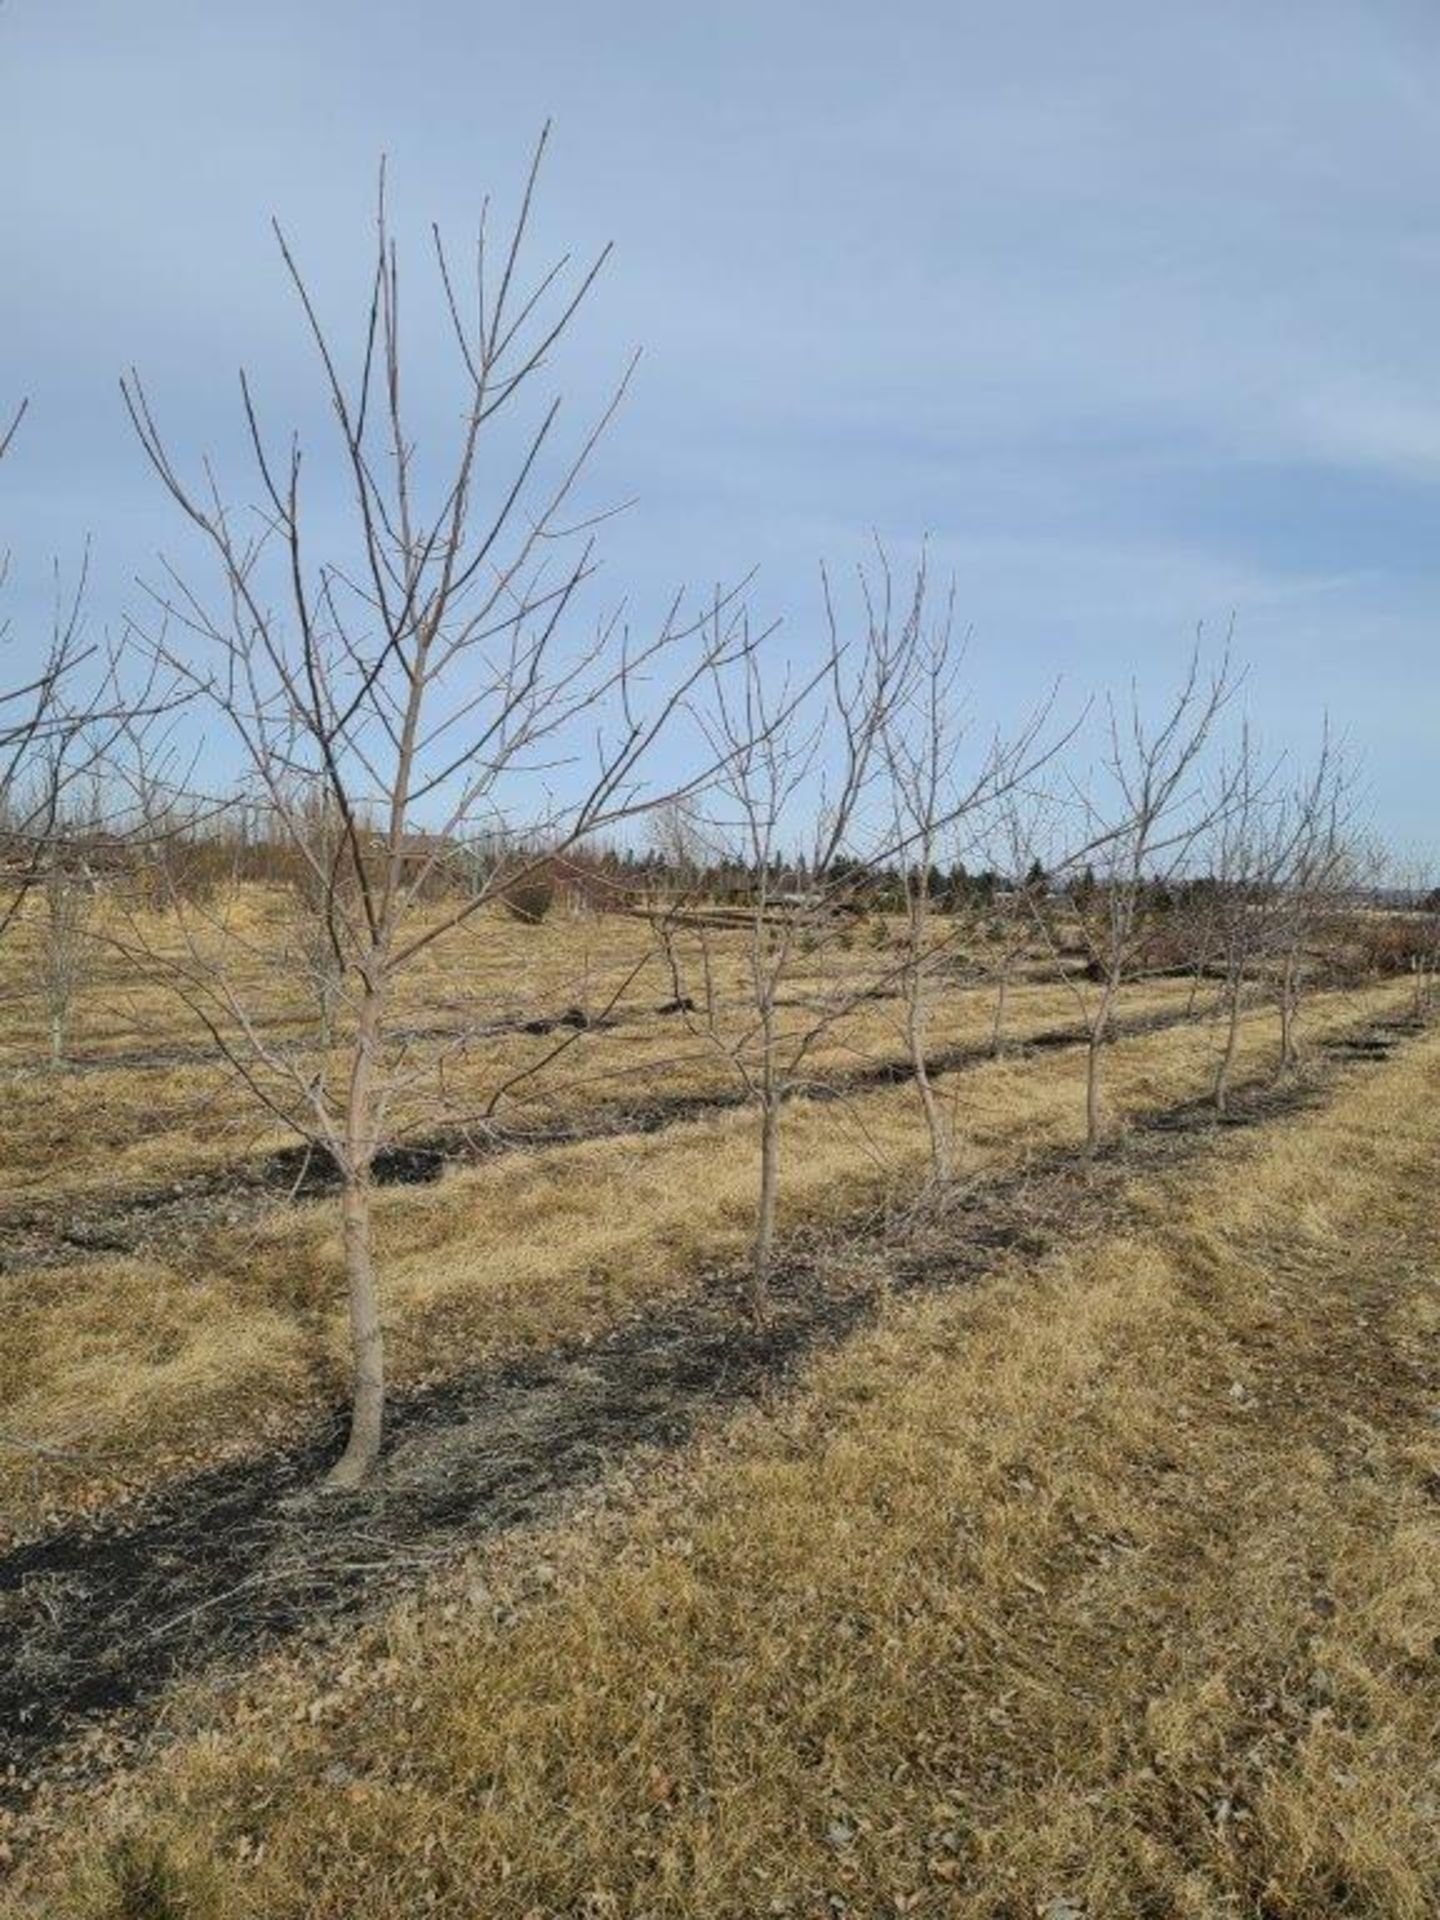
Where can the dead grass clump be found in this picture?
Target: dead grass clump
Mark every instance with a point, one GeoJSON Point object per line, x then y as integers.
{"type": "Point", "coordinates": [134, 1375]}
{"type": "Point", "coordinates": [143, 1883]}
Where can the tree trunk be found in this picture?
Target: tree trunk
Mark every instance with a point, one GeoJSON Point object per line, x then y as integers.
{"type": "Point", "coordinates": [763, 1248]}
{"type": "Point", "coordinates": [1227, 1058]}
{"type": "Point", "coordinates": [57, 1039]}
{"type": "Point", "coordinates": [1289, 1052]}
{"type": "Point", "coordinates": [367, 1347]}
{"type": "Point", "coordinates": [367, 1350]}
{"type": "Point", "coordinates": [1195, 978]}
{"type": "Point", "coordinates": [934, 1119]}
{"type": "Point", "coordinates": [1092, 1093]}
{"type": "Point", "coordinates": [1099, 1031]}
{"type": "Point", "coordinates": [997, 1029]}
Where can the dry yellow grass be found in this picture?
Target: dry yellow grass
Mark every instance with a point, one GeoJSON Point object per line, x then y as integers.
{"type": "Point", "coordinates": [131, 1113]}
{"type": "Point", "coordinates": [1106, 1590]}
{"type": "Point", "coordinates": [117, 1120]}
{"type": "Point", "coordinates": [145, 1367]}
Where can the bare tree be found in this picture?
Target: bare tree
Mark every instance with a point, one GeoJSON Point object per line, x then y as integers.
{"type": "Point", "coordinates": [1007, 935]}
{"type": "Point", "coordinates": [66, 946]}
{"type": "Point", "coordinates": [34, 717]}
{"type": "Point", "coordinates": [938, 802]}
{"type": "Point", "coordinates": [677, 834]}
{"type": "Point", "coordinates": [57, 721]}
{"type": "Point", "coordinates": [799, 764]}
{"type": "Point", "coordinates": [1016, 893]}
{"type": "Point", "coordinates": [415, 687]}
{"type": "Point", "coordinates": [1249, 868]}
{"type": "Point", "coordinates": [1139, 826]}
{"type": "Point", "coordinates": [1319, 867]}
{"type": "Point", "coordinates": [921, 739]}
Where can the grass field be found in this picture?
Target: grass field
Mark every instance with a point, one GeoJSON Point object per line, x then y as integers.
{"type": "Point", "coordinates": [1104, 1585]}
{"type": "Point", "coordinates": [219, 1335]}
{"type": "Point", "coordinates": [146, 1099]}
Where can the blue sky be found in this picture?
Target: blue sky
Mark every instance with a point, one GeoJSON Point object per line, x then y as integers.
{"type": "Point", "coordinates": [1132, 308]}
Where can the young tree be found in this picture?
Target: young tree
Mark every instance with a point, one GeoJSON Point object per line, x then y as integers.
{"type": "Point", "coordinates": [937, 800]}
{"type": "Point", "coordinates": [1318, 868]}
{"type": "Point", "coordinates": [1139, 827]}
{"type": "Point", "coordinates": [1014, 899]}
{"type": "Point", "coordinates": [57, 720]}
{"type": "Point", "coordinates": [799, 765]}
{"type": "Point", "coordinates": [856, 774]}
{"type": "Point", "coordinates": [67, 908]}
{"type": "Point", "coordinates": [1007, 934]}
{"type": "Point", "coordinates": [677, 835]}
{"type": "Point", "coordinates": [1197, 921]}
{"type": "Point", "coordinates": [1278, 857]}
{"type": "Point", "coordinates": [921, 738]}
{"type": "Point", "coordinates": [1248, 869]}
{"type": "Point", "coordinates": [410, 685]}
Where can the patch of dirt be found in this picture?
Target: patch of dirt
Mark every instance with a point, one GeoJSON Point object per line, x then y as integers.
{"type": "Point", "coordinates": [99, 1618]}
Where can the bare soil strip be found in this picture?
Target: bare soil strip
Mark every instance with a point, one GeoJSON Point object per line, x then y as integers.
{"type": "Point", "coordinates": [100, 1618]}
{"type": "Point", "coordinates": [45, 1234]}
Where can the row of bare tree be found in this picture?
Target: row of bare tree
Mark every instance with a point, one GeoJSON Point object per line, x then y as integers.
{"type": "Point", "coordinates": [426, 677]}
{"type": "Point", "coordinates": [1167, 858]}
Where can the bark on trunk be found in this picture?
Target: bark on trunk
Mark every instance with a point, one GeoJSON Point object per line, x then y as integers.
{"type": "Point", "coordinates": [367, 1351]}
{"type": "Point", "coordinates": [1227, 1058]}
{"type": "Point", "coordinates": [934, 1118]}
{"type": "Point", "coordinates": [1092, 1094]}
{"type": "Point", "coordinates": [997, 1030]}
{"type": "Point", "coordinates": [1289, 1052]}
{"type": "Point", "coordinates": [367, 1347]}
{"type": "Point", "coordinates": [764, 1244]}
{"type": "Point", "coordinates": [1099, 1030]}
